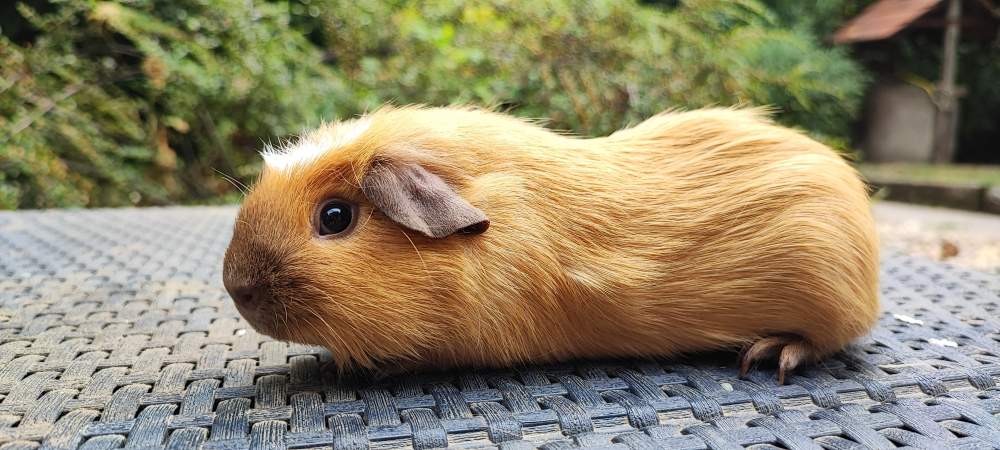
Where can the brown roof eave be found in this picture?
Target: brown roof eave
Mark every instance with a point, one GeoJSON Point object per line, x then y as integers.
{"type": "Point", "coordinates": [882, 20]}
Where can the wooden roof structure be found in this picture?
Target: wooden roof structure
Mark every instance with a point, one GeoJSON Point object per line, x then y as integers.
{"type": "Point", "coordinates": [882, 20]}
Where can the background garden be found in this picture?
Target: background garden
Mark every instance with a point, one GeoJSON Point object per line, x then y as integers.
{"type": "Point", "coordinates": [148, 102]}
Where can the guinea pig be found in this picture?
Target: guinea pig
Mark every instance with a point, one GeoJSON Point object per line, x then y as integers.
{"type": "Point", "coordinates": [414, 238]}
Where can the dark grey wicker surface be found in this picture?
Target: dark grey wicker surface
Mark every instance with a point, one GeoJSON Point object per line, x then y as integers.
{"type": "Point", "coordinates": [115, 332]}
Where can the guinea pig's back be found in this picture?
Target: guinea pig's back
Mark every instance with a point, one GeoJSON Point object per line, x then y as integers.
{"type": "Point", "coordinates": [760, 229]}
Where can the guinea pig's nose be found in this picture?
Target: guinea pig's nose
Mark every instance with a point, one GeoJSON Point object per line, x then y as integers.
{"type": "Point", "coordinates": [248, 296]}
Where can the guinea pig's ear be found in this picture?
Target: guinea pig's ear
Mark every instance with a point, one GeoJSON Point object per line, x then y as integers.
{"type": "Point", "coordinates": [421, 201]}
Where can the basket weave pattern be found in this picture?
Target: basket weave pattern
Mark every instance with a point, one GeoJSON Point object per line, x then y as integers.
{"type": "Point", "coordinates": [115, 332]}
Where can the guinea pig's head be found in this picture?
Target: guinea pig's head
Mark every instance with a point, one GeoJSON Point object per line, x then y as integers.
{"type": "Point", "coordinates": [352, 238]}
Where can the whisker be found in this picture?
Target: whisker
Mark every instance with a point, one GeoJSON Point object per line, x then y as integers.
{"type": "Point", "coordinates": [233, 181]}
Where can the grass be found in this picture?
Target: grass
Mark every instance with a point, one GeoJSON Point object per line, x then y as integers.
{"type": "Point", "coordinates": [931, 173]}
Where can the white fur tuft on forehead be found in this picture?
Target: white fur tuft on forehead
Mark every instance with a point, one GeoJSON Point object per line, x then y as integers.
{"type": "Point", "coordinates": [312, 146]}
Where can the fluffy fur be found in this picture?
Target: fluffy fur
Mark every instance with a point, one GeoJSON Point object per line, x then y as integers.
{"type": "Point", "coordinates": [690, 231]}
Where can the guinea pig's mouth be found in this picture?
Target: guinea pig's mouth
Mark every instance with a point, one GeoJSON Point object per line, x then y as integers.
{"type": "Point", "coordinates": [270, 305]}
{"type": "Point", "coordinates": [266, 319]}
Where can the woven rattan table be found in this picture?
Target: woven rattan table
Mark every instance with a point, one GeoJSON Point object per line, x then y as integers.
{"type": "Point", "coordinates": [115, 332]}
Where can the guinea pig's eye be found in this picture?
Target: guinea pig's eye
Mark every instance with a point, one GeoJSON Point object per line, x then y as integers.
{"type": "Point", "coordinates": [335, 217]}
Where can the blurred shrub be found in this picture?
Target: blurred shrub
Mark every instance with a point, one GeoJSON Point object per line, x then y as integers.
{"type": "Point", "coordinates": [147, 101]}
{"type": "Point", "coordinates": [143, 102]}
{"type": "Point", "coordinates": [589, 67]}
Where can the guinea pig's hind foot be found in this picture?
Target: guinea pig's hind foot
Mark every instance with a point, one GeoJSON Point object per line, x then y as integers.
{"type": "Point", "coordinates": [791, 351]}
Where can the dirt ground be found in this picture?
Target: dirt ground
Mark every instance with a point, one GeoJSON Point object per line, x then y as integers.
{"type": "Point", "coordinates": [962, 238]}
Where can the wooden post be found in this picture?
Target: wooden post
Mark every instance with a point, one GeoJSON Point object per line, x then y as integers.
{"type": "Point", "coordinates": [945, 122]}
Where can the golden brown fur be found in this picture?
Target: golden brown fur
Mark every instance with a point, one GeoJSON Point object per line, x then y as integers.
{"type": "Point", "coordinates": [690, 231]}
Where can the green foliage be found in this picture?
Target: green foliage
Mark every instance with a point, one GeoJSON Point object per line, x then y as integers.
{"type": "Point", "coordinates": [141, 103]}
{"type": "Point", "coordinates": [817, 89]}
{"type": "Point", "coordinates": [147, 101]}
{"type": "Point", "coordinates": [590, 67]}
{"type": "Point", "coordinates": [819, 17]}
